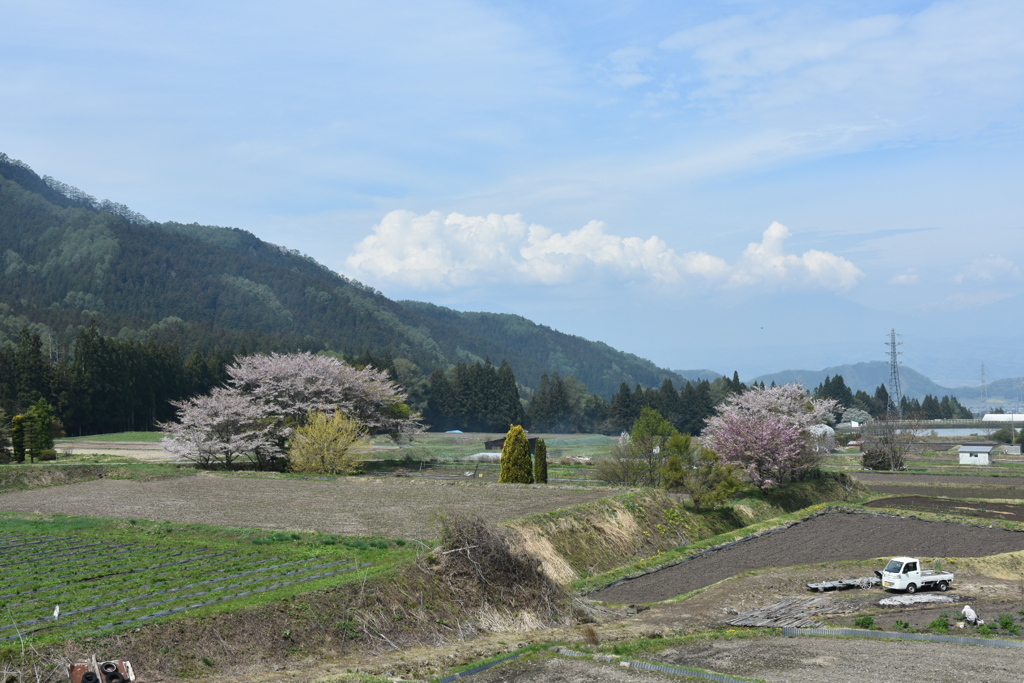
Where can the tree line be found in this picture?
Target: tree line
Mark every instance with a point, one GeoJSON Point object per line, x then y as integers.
{"type": "Point", "coordinates": [880, 403]}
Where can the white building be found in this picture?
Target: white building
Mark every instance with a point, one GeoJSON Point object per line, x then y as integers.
{"type": "Point", "coordinates": [976, 455]}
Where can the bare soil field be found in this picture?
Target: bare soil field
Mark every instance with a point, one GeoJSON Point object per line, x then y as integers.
{"type": "Point", "coordinates": [825, 538]}
{"type": "Point", "coordinates": [357, 506]}
{"type": "Point", "coordinates": [1014, 513]}
{"type": "Point", "coordinates": [949, 486]}
{"type": "Point", "coordinates": [788, 660]}
{"type": "Point", "coordinates": [140, 450]}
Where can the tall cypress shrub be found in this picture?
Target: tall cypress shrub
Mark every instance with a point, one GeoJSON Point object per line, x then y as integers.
{"type": "Point", "coordinates": [540, 462]}
{"type": "Point", "coordinates": [18, 437]}
{"type": "Point", "coordinates": [516, 467]}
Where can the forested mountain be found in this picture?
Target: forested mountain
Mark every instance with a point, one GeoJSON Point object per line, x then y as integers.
{"type": "Point", "coordinates": [68, 261]}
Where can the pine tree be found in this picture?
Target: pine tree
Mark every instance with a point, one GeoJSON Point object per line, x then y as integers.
{"type": "Point", "coordinates": [540, 462]}
{"type": "Point", "coordinates": [516, 467]}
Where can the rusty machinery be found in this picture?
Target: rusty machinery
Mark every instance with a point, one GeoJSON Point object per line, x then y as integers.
{"type": "Point", "coordinates": [93, 671]}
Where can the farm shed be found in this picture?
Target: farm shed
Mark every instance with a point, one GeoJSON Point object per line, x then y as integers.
{"type": "Point", "coordinates": [975, 455]}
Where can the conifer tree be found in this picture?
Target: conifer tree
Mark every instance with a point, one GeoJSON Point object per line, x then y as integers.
{"type": "Point", "coordinates": [516, 467]}
{"type": "Point", "coordinates": [540, 462]}
{"type": "Point", "coordinates": [18, 437]}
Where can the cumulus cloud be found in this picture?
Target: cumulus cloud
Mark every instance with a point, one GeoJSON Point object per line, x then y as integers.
{"type": "Point", "coordinates": [434, 251]}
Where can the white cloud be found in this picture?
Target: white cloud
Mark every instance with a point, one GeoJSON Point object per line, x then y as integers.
{"type": "Point", "coordinates": [434, 251]}
{"type": "Point", "coordinates": [989, 269]}
{"type": "Point", "coordinates": [907, 277]}
{"type": "Point", "coordinates": [625, 66]}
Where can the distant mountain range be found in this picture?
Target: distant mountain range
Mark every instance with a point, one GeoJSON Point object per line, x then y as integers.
{"type": "Point", "coordinates": [867, 376]}
{"type": "Point", "coordinates": [68, 260]}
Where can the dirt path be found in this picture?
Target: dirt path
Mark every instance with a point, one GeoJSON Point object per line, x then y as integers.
{"type": "Point", "coordinates": [826, 538]}
{"type": "Point", "coordinates": [363, 506]}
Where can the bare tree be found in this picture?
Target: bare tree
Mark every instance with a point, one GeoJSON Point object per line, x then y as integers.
{"type": "Point", "coordinates": [885, 446]}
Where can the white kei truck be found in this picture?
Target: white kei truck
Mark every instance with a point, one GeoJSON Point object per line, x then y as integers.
{"type": "Point", "coordinates": [905, 574]}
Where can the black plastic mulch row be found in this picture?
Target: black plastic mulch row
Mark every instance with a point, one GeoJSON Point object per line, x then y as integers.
{"type": "Point", "coordinates": [40, 540]}
{"type": "Point", "coordinates": [219, 579]}
{"type": "Point", "coordinates": [206, 567]}
{"type": "Point", "coordinates": [120, 573]}
{"type": "Point", "coordinates": [94, 608]}
{"type": "Point", "coordinates": [71, 551]}
{"type": "Point", "coordinates": [175, 610]}
{"type": "Point", "coordinates": [44, 594]}
{"type": "Point", "coordinates": [55, 576]}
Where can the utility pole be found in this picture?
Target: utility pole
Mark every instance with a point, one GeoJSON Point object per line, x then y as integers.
{"type": "Point", "coordinates": [895, 392]}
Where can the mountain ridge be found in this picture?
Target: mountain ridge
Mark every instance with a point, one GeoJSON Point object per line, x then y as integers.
{"type": "Point", "coordinates": [69, 261]}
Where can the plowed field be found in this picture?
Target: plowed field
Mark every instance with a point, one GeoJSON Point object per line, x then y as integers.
{"type": "Point", "coordinates": [396, 508]}
{"type": "Point", "coordinates": [826, 538]}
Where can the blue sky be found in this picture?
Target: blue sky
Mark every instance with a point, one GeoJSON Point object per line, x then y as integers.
{"type": "Point", "coordinates": [731, 185]}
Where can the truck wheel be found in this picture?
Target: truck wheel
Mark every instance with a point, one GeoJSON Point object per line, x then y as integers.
{"type": "Point", "coordinates": [911, 588]}
{"type": "Point", "coordinates": [943, 586]}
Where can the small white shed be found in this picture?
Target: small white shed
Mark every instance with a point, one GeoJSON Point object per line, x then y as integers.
{"type": "Point", "coordinates": [976, 455]}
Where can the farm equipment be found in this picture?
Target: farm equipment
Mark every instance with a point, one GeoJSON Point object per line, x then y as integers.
{"type": "Point", "coordinates": [93, 671]}
{"type": "Point", "coordinates": [843, 584]}
{"type": "Point", "coordinates": [905, 574]}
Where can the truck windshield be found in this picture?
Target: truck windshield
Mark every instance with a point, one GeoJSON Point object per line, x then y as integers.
{"type": "Point", "coordinates": [893, 567]}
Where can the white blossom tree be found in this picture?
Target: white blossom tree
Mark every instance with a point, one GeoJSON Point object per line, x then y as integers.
{"type": "Point", "coordinates": [768, 433]}
{"type": "Point", "coordinates": [268, 396]}
{"type": "Point", "coordinates": [222, 428]}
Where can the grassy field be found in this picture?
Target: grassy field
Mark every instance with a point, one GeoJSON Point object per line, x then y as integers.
{"type": "Point", "coordinates": [107, 575]}
{"type": "Point", "coordinates": [146, 437]}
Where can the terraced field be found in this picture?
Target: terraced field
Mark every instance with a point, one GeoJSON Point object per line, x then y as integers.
{"type": "Point", "coordinates": [57, 585]}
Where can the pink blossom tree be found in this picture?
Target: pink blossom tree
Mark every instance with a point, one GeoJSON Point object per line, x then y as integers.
{"type": "Point", "coordinates": [269, 395]}
{"type": "Point", "coordinates": [767, 432]}
{"type": "Point", "coordinates": [222, 428]}
{"type": "Point", "coordinates": [296, 384]}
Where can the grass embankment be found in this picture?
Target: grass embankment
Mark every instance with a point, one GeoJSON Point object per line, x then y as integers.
{"type": "Point", "coordinates": [20, 477]}
{"type": "Point", "coordinates": [593, 544]}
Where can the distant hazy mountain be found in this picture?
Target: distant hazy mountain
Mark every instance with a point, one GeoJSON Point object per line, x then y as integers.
{"type": "Point", "coordinates": [861, 376]}
{"type": "Point", "coordinates": [698, 375]}
{"type": "Point", "coordinates": [867, 377]}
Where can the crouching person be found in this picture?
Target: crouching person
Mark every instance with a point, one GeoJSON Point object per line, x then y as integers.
{"type": "Point", "coordinates": [971, 617]}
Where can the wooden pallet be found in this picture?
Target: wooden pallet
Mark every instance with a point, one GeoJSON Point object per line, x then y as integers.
{"type": "Point", "coordinates": [843, 584]}
{"type": "Point", "coordinates": [796, 612]}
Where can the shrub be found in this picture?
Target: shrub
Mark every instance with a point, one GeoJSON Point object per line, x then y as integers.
{"type": "Point", "coordinates": [699, 472]}
{"type": "Point", "coordinates": [516, 466]}
{"type": "Point", "coordinates": [540, 462]}
{"type": "Point", "coordinates": [865, 621]}
{"type": "Point", "coordinates": [324, 445]}
{"type": "Point", "coordinates": [903, 625]}
{"type": "Point", "coordinates": [984, 630]}
{"type": "Point", "coordinates": [1007, 623]}
{"type": "Point", "coordinates": [941, 625]}
{"type": "Point", "coordinates": [47, 454]}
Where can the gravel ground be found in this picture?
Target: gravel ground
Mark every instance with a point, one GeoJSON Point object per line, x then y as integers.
{"type": "Point", "coordinates": [358, 506]}
{"type": "Point", "coordinates": [826, 538]}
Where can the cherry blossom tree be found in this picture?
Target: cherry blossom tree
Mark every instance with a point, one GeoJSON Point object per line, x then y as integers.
{"type": "Point", "coordinates": [268, 396]}
{"type": "Point", "coordinates": [768, 433]}
{"type": "Point", "coordinates": [222, 428]}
